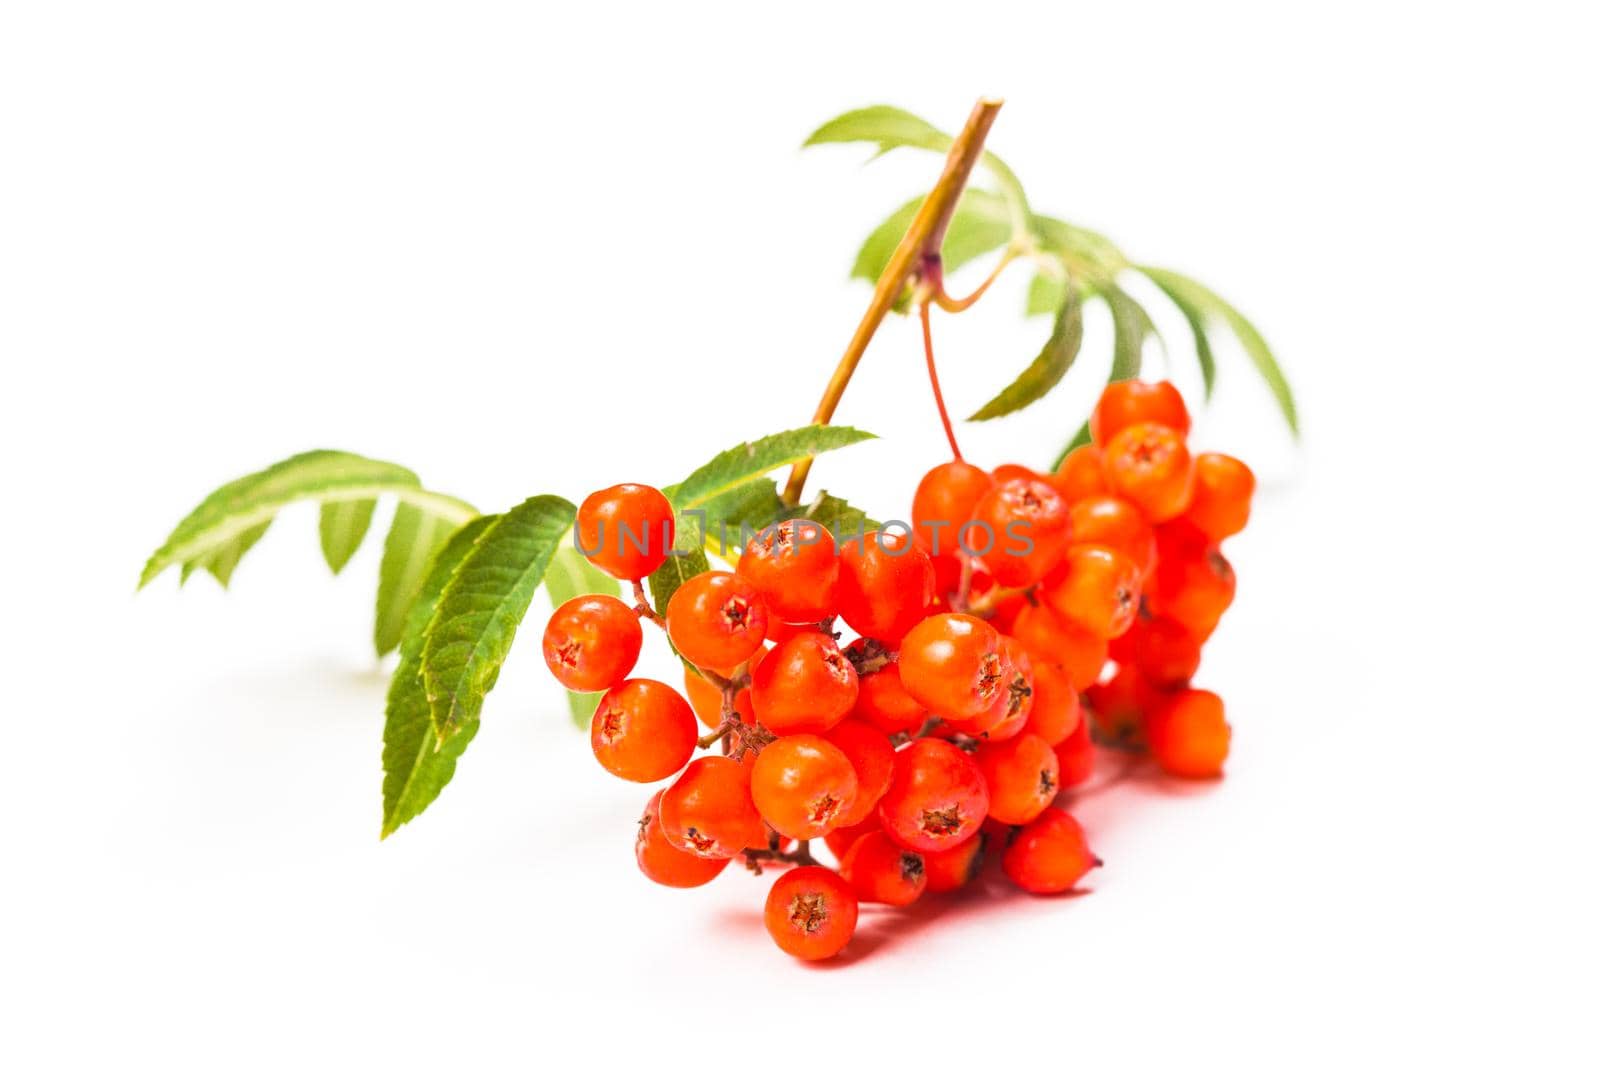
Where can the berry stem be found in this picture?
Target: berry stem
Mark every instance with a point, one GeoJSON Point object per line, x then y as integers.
{"type": "Point", "coordinates": [921, 243]}
{"type": "Point", "coordinates": [953, 305]}
{"type": "Point", "coordinates": [933, 380]}
{"type": "Point", "coordinates": [642, 608]}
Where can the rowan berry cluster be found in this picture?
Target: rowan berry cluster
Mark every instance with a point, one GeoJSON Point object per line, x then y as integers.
{"type": "Point", "coordinates": [947, 728]}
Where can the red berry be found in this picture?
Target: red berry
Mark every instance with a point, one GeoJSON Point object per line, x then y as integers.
{"type": "Point", "coordinates": [944, 500]}
{"type": "Point", "coordinates": [1076, 756]}
{"type": "Point", "coordinates": [872, 757]}
{"type": "Point", "coordinates": [956, 868]}
{"type": "Point", "coordinates": [950, 664]}
{"type": "Point", "coordinates": [882, 872]}
{"type": "Point", "coordinates": [1020, 530]}
{"type": "Point", "coordinates": [1164, 652]}
{"type": "Point", "coordinates": [1189, 734]}
{"type": "Point", "coordinates": [626, 530]}
{"type": "Point", "coordinates": [1050, 855]}
{"type": "Point", "coordinates": [1193, 582]}
{"type": "Point", "coordinates": [811, 913]}
{"type": "Point", "coordinates": [795, 567]}
{"type": "Point", "coordinates": [643, 731]}
{"type": "Point", "coordinates": [1080, 474]}
{"type": "Point", "coordinates": [717, 620]}
{"type": "Point", "coordinates": [1023, 776]}
{"type": "Point", "coordinates": [805, 685]}
{"type": "Point", "coordinates": [1010, 715]}
{"type": "Point", "coordinates": [1128, 402]}
{"type": "Point", "coordinates": [1097, 588]}
{"type": "Point", "coordinates": [708, 810]}
{"type": "Point", "coordinates": [1051, 639]}
{"type": "Point", "coordinates": [1222, 490]}
{"type": "Point", "coordinates": [937, 798]}
{"type": "Point", "coordinates": [1056, 710]}
{"type": "Point", "coordinates": [802, 786]}
{"type": "Point", "coordinates": [885, 584]}
{"type": "Point", "coordinates": [884, 703]}
{"type": "Point", "coordinates": [1149, 464]}
{"type": "Point", "coordinates": [592, 642]}
{"type": "Point", "coordinates": [664, 864]}
{"type": "Point", "coordinates": [1114, 523]}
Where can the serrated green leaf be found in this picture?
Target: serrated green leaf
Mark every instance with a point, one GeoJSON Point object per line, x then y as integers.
{"type": "Point", "coordinates": [414, 536]}
{"type": "Point", "coordinates": [981, 223]}
{"type": "Point", "coordinates": [342, 527]}
{"type": "Point", "coordinates": [1208, 304]}
{"type": "Point", "coordinates": [482, 606]}
{"type": "Point", "coordinates": [244, 505]}
{"type": "Point", "coordinates": [1048, 367]}
{"type": "Point", "coordinates": [891, 127]}
{"type": "Point", "coordinates": [570, 575]}
{"type": "Point", "coordinates": [1046, 294]}
{"type": "Point", "coordinates": [415, 766]}
{"type": "Point", "coordinates": [221, 562]}
{"type": "Point", "coordinates": [687, 559]}
{"type": "Point", "coordinates": [837, 514]}
{"type": "Point", "coordinates": [747, 462]}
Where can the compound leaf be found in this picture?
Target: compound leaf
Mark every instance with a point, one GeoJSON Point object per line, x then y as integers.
{"type": "Point", "coordinates": [1047, 368]}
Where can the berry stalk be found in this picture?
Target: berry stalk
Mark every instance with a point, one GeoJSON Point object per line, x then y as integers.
{"type": "Point", "coordinates": [920, 245]}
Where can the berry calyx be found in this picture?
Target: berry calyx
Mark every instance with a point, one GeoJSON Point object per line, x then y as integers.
{"type": "Point", "coordinates": [643, 730]}
{"type": "Point", "coordinates": [592, 642]}
{"type": "Point", "coordinates": [936, 799]}
{"type": "Point", "coordinates": [626, 530]}
{"type": "Point", "coordinates": [664, 864]}
{"type": "Point", "coordinates": [1050, 854]}
{"type": "Point", "coordinates": [805, 685]}
{"type": "Point", "coordinates": [802, 786]}
{"type": "Point", "coordinates": [811, 913]}
{"type": "Point", "coordinates": [708, 811]}
{"type": "Point", "coordinates": [717, 620]}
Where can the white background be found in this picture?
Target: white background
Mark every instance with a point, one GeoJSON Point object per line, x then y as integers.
{"type": "Point", "coordinates": [534, 251]}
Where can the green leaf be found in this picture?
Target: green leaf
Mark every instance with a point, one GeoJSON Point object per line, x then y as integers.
{"type": "Point", "coordinates": [834, 512]}
{"type": "Point", "coordinates": [1046, 294]}
{"type": "Point", "coordinates": [1194, 314]}
{"type": "Point", "coordinates": [1131, 326]}
{"type": "Point", "coordinates": [981, 223]}
{"type": "Point", "coordinates": [1047, 368]}
{"type": "Point", "coordinates": [414, 536]}
{"type": "Point", "coordinates": [749, 461]}
{"type": "Point", "coordinates": [1074, 243]}
{"type": "Point", "coordinates": [570, 575]}
{"type": "Point", "coordinates": [415, 766]}
{"type": "Point", "coordinates": [343, 526]}
{"type": "Point", "coordinates": [482, 606]}
{"type": "Point", "coordinates": [221, 562]}
{"type": "Point", "coordinates": [891, 127]}
{"type": "Point", "coordinates": [687, 559]}
{"type": "Point", "coordinates": [753, 506]}
{"type": "Point", "coordinates": [221, 525]}
{"type": "Point", "coordinates": [1209, 305]}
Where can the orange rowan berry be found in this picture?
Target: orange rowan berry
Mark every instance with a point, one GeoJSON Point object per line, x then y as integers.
{"type": "Point", "coordinates": [802, 786]}
{"type": "Point", "coordinates": [872, 757]}
{"type": "Point", "coordinates": [1095, 587]}
{"type": "Point", "coordinates": [793, 565]}
{"type": "Point", "coordinates": [717, 620]}
{"type": "Point", "coordinates": [811, 913]}
{"type": "Point", "coordinates": [1189, 734]}
{"type": "Point", "coordinates": [1050, 855]}
{"type": "Point", "coordinates": [805, 685]}
{"type": "Point", "coordinates": [950, 664]}
{"type": "Point", "coordinates": [944, 500]}
{"type": "Point", "coordinates": [1080, 474]}
{"type": "Point", "coordinates": [885, 585]}
{"type": "Point", "coordinates": [708, 810]}
{"type": "Point", "coordinates": [1076, 756]}
{"type": "Point", "coordinates": [1056, 711]}
{"type": "Point", "coordinates": [1149, 464]}
{"type": "Point", "coordinates": [1132, 401]}
{"type": "Point", "coordinates": [1051, 639]}
{"type": "Point", "coordinates": [1113, 522]}
{"type": "Point", "coordinates": [1023, 776]}
{"type": "Point", "coordinates": [643, 730]}
{"type": "Point", "coordinates": [1222, 490]}
{"type": "Point", "coordinates": [665, 864]}
{"type": "Point", "coordinates": [882, 872]}
{"type": "Point", "coordinates": [936, 799]}
{"type": "Point", "coordinates": [625, 530]}
{"type": "Point", "coordinates": [1019, 529]}
{"type": "Point", "coordinates": [592, 642]}
{"type": "Point", "coordinates": [883, 702]}
{"type": "Point", "coordinates": [956, 867]}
